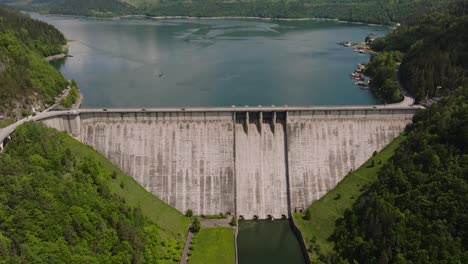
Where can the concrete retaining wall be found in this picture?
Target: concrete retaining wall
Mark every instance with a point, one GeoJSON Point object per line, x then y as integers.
{"type": "Point", "coordinates": [248, 163]}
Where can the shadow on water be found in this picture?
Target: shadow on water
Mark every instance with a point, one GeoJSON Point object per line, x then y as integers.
{"type": "Point", "coordinates": [267, 241]}
{"type": "Point", "coordinates": [58, 64]}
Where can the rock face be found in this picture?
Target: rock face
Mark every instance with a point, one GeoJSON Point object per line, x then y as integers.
{"type": "Point", "coordinates": [253, 164]}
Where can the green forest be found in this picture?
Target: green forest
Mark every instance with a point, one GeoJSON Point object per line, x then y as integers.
{"type": "Point", "coordinates": [416, 212]}
{"type": "Point", "coordinates": [56, 205]}
{"type": "Point", "coordinates": [25, 77]}
{"type": "Point", "coordinates": [369, 11]}
{"type": "Point", "coordinates": [415, 208]}
{"type": "Point", "coordinates": [432, 52]}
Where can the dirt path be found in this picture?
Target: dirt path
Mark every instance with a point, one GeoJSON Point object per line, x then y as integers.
{"type": "Point", "coordinates": [184, 258]}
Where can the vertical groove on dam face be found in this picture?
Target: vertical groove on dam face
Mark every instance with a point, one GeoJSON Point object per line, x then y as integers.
{"type": "Point", "coordinates": [186, 163]}
{"type": "Point", "coordinates": [323, 150]}
{"type": "Point", "coordinates": [261, 171]}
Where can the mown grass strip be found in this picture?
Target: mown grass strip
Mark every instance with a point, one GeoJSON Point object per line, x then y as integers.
{"type": "Point", "coordinates": [213, 245]}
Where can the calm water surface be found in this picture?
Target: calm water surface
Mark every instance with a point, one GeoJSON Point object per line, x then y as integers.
{"type": "Point", "coordinates": [267, 241]}
{"type": "Point", "coordinates": [212, 62]}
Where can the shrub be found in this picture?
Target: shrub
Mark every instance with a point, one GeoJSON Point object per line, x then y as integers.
{"type": "Point", "coordinates": [196, 226]}
{"type": "Point", "coordinates": [307, 215]}
{"type": "Point", "coordinates": [189, 213]}
{"type": "Point", "coordinates": [233, 221]}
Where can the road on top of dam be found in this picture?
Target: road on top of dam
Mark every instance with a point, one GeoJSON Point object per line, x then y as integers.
{"type": "Point", "coordinates": [406, 104]}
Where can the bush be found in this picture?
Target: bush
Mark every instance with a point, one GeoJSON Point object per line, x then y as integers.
{"type": "Point", "coordinates": [307, 215]}
{"type": "Point", "coordinates": [196, 225]}
{"type": "Point", "coordinates": [189, 213]}
{"type": "Point", "coordinates": [233, 221]}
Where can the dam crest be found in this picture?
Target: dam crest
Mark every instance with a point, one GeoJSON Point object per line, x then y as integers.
{"type": "Point", "coordinates": [252, 162]}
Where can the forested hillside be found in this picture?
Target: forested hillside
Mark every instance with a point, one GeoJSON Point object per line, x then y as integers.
{"type": "Point", "coordinates": [433, 55]}
{"type": "Point", "coordinates": [417, 211]}
{"type": "Point", "coordinates": [26, 79]}
{"type": "Point", "coordinates": [58, 205]}
{"type": "Point", "coordinates": [369, 11]}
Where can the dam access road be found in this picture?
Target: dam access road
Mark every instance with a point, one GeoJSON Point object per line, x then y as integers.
{"type": "Point", "coordinates": [254, 162]}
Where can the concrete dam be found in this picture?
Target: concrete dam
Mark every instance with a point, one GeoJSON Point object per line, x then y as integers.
{"type": "Point", "coordinates": [252, 162]}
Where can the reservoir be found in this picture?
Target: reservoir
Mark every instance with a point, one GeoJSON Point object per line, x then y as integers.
{"type": "Point", "coordinates": [159, 63]}
{"type": "Point", "coordinates": [267, 241]}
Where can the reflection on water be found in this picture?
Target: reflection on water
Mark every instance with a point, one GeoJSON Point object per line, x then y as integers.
{"type": "Point", "coordinates": [266, 241]}
{"type": "Point", "coordinates": [212, 62]}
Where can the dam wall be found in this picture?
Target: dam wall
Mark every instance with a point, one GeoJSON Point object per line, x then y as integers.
{"type": "Point", "coordinates": [253, 163]}
{"type": "Point", "coordinates": [185, 160]}
{"type": "Point", "coordinates": [324, 147]}
{"type": "Point", "coordinates": [261, 182]}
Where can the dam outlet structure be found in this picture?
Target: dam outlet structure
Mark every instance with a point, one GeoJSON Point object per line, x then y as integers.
{"type": "Point", "coordinates": [256, 163]}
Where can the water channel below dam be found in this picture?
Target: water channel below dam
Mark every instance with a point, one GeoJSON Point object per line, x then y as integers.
{"type": "Point", "coordinates": [268, 241]}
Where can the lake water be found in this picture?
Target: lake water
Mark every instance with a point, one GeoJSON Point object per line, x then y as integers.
{"type": "Point", "coordinates": [268, 241]}
{"type": "Point", "coordinates": [143, 63]}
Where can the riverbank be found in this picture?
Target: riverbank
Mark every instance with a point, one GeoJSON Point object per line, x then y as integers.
{"type": "Point", "coordinates": [56, 57]}
{"type": "Point", "coordinates": [61, 55]}
{"type": "Point", "coordinates": [264, 18]}
{"type": "Point", "coordinates": [226, 18]}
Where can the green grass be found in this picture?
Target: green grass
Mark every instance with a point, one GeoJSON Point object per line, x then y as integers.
{"type": "Point", "coordinates": [70, 99]}
{"type": "Point", "coordinates": [6, 122]}
{"type": "Point", "coordinates": [218, 216]}
{"type": "Point", "coordinates": [171, 223]}
{"type": "Point", "coordinates": [212, 246]}
{"type": "Point", "coordinates": [332, 206]}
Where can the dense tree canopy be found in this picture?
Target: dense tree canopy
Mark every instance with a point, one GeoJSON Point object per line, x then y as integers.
{"type": "Point", "coordinates": [417, 211]}
{"type": "Point", "coordinates": [56, 206]}
{"type": "Point", "coordinates": [370, 11]}
{"type": "Point", "coordinates": [25, 77]}
{"type": "Point", "coordinates": [383, 70]}
{"type": "Point", "coordinates": [435, 58]}
{"type": "Point", "coordinates": [34, 34]}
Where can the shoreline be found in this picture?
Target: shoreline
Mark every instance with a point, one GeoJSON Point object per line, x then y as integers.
{"type": "Point", "coordinates": [224, 17]}
{"type": "Point", "coordinates": [255, 18]}
{"type": "Point", "coordinates": [56, 57]}
{"type": "Point", "coordinates": [61, 55]}
{"type": "Point", "coordinates": [78, 101]}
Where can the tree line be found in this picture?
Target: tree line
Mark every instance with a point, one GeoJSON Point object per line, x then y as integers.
{"type": "Point", "coordinates": [417, 210]}
{"type": "Point", "coordinates": [56, 206]}
{"type": "Point", "coordinates": [26, 79]}
{"type": "Point", "coordinates": [368, 11]}
{"type": "Point", "coordinates": [434, 60]}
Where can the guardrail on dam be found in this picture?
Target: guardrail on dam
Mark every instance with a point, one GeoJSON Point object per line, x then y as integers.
{"type": "Point", "coordinates": [254, 162]}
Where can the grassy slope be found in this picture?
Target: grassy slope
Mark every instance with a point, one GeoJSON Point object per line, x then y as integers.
{"type": "Point", "coordinates": [171, 222]}
{"type": "Point", "coordinates": [328, 209]}
{"type": "Point", "coordinates": [213, 245]}
{"type": "Point", "coordinates": [6, 122]}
